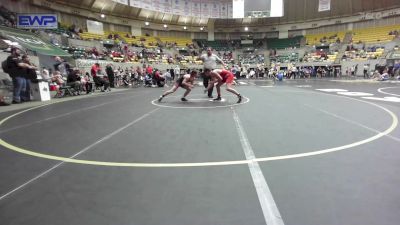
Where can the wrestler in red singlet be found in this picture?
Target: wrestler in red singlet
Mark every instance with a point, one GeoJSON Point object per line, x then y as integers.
{"type": "Point", "coordinates": [227, 76]}
{"type": "Point", "coordinates": [220, 77]}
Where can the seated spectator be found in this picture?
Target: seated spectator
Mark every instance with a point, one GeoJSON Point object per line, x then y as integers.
{"type": "Point", "coordinates": [158, 79]}
{"type": "Point", "coordinates": [45, 74]}
{"type": "Point", "coordinates": [99, 78]}
{"type": "Point", "coordinates": [87, 83]}
{"type": "Point", "coordinates": [57, 78]}
{"type": "Point", "coordinates": [73, 80]}
{"type": "Point", "coordinates": [148, 80]}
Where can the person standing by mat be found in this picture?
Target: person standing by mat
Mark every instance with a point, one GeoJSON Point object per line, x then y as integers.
{"type": "Point", "coordinates": [220, 77]}
{"type": "Point", "coordinates": [210, 62]}
{"type": "Point", "coordinates": [185, 82]}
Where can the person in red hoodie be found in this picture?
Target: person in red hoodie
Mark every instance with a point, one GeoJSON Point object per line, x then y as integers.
{"type": "Point", "coordinates": [149, 70]}
{"type": "Point", "coordinates": [98, 77]}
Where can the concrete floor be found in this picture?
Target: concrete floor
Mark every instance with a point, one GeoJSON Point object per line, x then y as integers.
{"type": "Point", "coordinates": [325, 158]}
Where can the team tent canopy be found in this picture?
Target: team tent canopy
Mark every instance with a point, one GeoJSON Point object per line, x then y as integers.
{"type": "Point", "coordinates": [31, 41]}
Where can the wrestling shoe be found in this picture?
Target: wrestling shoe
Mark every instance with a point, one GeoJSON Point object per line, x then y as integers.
{"type": "Point", "coordinates": [184, 100]}
{"type": "Point", "coordinates": [217, 99]}
{"type": "Point", "coordinates": [239, 99]}
{"type": "Point", "coordinates": [161, 97]}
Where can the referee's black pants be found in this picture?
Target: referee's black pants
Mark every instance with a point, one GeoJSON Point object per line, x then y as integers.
{"type": "Point", "coordinates": [205, 83]}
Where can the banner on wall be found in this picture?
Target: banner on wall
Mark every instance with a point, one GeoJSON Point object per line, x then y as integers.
{"type": "Point", "coordinates": [37, 21]}
{"type": "Point", "coordinates": [230, 10]}
{"type": "Point", "coordinates": [324, 5]}
{"type": "Point", "coordinates": [125, 2]}
{"type": "Point", "coordinates": [196, 8]}
{"type": "Point", "coordinates": [223, 10]}
{"type": "Point", "coordinates": [166, 6]}
{"type": "Point", "coordinates": [147, 4]}
{"type": "Point", "coordinates": [205, 10]}
{"type": "Point", "coordinates": [238, 9]}
{"type": "Point", "coordinates": [215, 10]}
{"type": "Point", "coordinates": [95, 27]}
{"type": "Point", "coordinates": [178, 7]}
{"type": "Point", "coordinates": [135, 3]}
{"type": "Point", "coordinates": [187, 8]}
{"type": "Point", "coordinates": [156, 6]}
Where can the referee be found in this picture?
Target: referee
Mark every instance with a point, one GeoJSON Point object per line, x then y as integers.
{"type": "Point", "coordinates": [210, 62]}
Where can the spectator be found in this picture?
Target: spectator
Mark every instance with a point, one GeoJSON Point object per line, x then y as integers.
{"type": "Point", "coordinates": [45, 74]}
{"type": "Point", "coordinates": [98, 77]}
{"type": "Point", "coordinates": [149, 70]}
{"type": "Point", "coordinates": [167, 76]}
{"type": "Point", "coordinates": [110, 74]}
{"type": "Point", "coordinates": [87, 83]}
{"type": "Point", "coordinates": [62, 66]}
{"type": "Point", "coordinates": [73, 80]}
{"type": "Point", "coordinates": [57, 78]}
{"type": "Point", "coordinates": [366, 67]}
{"type": "Point", "coordinates": [177, 71]}
{"type": "Point", "coordinates": [15, 68]}
{"type": "Point", "coordinates": [30, 75]}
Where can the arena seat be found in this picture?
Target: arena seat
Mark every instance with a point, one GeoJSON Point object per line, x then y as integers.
{"type": "Point", "coordinates": [286, 58]}
{"type": "Point", "coordinates": [276, 43]}
{"type": "Point", "coordinates": [374, 34]}
{"type": "Point", "coordinates": [91, 36]}
{"type": "Point", "coordinates": [181, 42]}
{"type": "Point", "coordinates": [218, 45]}
{"type": "Point", "coordinates": [326, 38]}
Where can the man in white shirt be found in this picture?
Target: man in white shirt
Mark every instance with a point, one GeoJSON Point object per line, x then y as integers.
{"type": "Point", "coordinates": [167, 76]}
{"type": "Point", "coordinates": [210, 62]}
{"type": "Point", "coordinates": [177, 71]}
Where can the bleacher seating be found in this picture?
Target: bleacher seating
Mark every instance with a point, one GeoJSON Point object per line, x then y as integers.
{"type": "Point", "coordinates": [219, 45]}
{"type": "Point", "coordinates": [75, 52]}
{"type": "Point", "coordinates": [320, 57]}
{"type": "Point", "coordinates": [374, 34]}
{"type": "Point", "coordinates": [361, 55]}
{"type": "Point", "coordinates": [92, 36]}
{"type": "Point", "coordinates": [145, 41]}
{"type": "Point", "coordinates": [276, 43]}
{"type": "Point", "coordinates": [7, 18]}
{"type": "Point", "coordinates": [325, 38]}
{"type": "Point", "coordinates": [181, 42]}
{"type": "Point", "coordinates": [285, 58]}
{"type": "Point", "coordinates": [251, 59]}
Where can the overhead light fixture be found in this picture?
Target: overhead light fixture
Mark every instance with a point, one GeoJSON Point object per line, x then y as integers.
{"type": "Point", "coordinates": [184, 27]}
{"type": "Point", "coordinates": [165, 25]}
{"type": "Point", "coordinates": [201, 28]}
{"type": "Point", "coordinates": [246, 28]}
{"type": "Point", "coordinates": [146, 23]}
{"type": "Point", "coordinates": [102, 15]}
